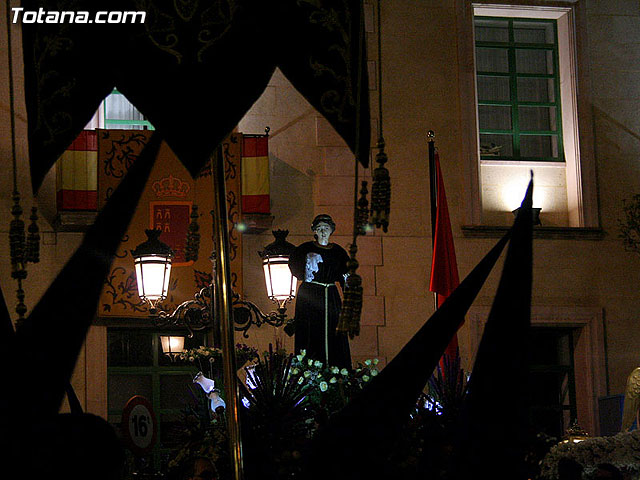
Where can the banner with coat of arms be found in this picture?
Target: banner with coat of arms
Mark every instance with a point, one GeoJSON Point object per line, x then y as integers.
{"type": "Point", "coordinates": [167, 204]}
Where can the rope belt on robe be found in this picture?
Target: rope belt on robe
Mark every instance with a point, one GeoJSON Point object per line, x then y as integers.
{"type": "Point", "coordinates": [326, 318]}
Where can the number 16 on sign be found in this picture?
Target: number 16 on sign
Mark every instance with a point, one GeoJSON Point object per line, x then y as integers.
{"type": "Point", "coordinates": [139, 425]}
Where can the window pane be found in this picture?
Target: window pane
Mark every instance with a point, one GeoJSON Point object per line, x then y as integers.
{"type": "Point", "coordinates": [539, 146]}
{"type": "Point", "coordinates": [492, 60]}
{"type": "Point", "coordinates": [533, 32]}
{"type": "Point", "coordinates": [537, 118]}
{"type": "Point", "coordinates": [536, 90]}
{"type": "Point", "coordinates": [119, 108]}
{"type": "Point", "coordinates": [534, 61]}
{"type": "Point", "coordinates": [493, 117]}
{"type": "Point", "coordinates": [492, 30]}
{"type": "Point", "coordinates": [496, 145]}
{"type": "Point", "coordinates": [546, 388]}
{"type": "Point", "coordinates": [129, 348]}
{"type": "Point", "coordinates": [494, 89]}
{"type": "Point", "coordinates": [175, 390]}
{"type": "Point", "coordinates": [121, 388]}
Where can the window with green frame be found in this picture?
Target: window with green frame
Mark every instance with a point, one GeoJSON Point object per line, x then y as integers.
{"type": "Point", "coordinates": [119, 113]}
{"type": "Point", "coordinates": [553, 385]}
{"type": "Point", "coordinates": [137, 366]}
{"type": "Point", "coordinates": [518, 89]}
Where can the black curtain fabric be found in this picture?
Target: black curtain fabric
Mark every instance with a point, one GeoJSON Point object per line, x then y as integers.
{"type": "Point", "coordinates": [323, 54]}
{"type": "Point", "coordinates": [193, 69]}
{"type": "Point", "coordinates": [357, 440]}
{"type": "Point", "coordinates": [494, 425]}
{"type": "Point", "coordinates": [6, 325]}
{"type": "Point", "coordinates": [53, 333]}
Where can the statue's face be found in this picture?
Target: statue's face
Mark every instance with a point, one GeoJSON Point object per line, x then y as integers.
{"type": "Point", "coordinates": [323, 232]}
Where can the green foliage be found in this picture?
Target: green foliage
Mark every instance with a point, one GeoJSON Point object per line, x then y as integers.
{"type": "Point", "coordinates": [201, 434]}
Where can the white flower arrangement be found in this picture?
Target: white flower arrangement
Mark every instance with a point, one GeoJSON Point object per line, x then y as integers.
{"type": "Point", "coordinates": [621, 450]}
{"type": "Point", "coordinates": [314, 373]}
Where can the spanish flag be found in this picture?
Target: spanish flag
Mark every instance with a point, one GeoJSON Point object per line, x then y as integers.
{"type": "Point", "coordinates": [77, 174]}
{"type": "Point", "coordinates": [255, 174]}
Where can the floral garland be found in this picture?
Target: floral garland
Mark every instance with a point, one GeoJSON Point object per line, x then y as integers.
{"type": "Point", "coordinates": [244, 353]}
{"type": "Point", "coordinates": [621, 450]}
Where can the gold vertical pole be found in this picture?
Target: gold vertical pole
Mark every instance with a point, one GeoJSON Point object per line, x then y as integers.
{"type": "Point", "coordinates": [224, 313]}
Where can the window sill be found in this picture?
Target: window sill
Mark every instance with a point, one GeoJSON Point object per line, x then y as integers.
{"type": "Point", "coordinates": [552, 233]}
{"type": "Point", "coordinates": [256, 223]}
{"type": "Point", "coordinates": [74, 221]}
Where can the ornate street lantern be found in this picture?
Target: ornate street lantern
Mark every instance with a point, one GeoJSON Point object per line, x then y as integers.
{"type": "Point", "coordinates": [281, 284]}
{"type": "Point", "coordinates": [152, 261]}
{"type": "Point", "coordinates": [172, 345]}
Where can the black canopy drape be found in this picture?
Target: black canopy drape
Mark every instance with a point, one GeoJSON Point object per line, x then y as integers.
{"type": "Point", "coordinates": [193, 68]}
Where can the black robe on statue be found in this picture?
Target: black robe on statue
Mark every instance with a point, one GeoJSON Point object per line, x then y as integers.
{"type": "Point", "coordinates": [318, 302]}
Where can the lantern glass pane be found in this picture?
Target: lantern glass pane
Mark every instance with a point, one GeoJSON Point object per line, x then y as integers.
{"type": "Point", "coordinates": [139, 281]}
{"type": "Point", "coordinates": [278, 278]}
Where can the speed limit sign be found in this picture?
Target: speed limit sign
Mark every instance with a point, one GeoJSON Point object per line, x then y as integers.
{"type": "Point", "coordinates": [139, 425]}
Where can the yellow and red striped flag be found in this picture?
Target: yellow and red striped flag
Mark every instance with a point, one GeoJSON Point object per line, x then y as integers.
{"type": "Point", "coordinates": [255, 174]}
{"type": "Point", "coordinates": [77, 174]}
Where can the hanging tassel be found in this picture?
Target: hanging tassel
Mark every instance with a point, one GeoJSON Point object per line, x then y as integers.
{"type": "Point", "coordinates": [32, 253]}
{"type": "Point", "coordinates": [362, 214]}
{"type": "Point", "coordinates": [17, 240]}
{"type": "Point", "coordinates": [381, 190]}
{"type": "Point", "coordinates": [21, 307]}
{"type": "Point", "coordinates": [349, 320]}
{"type": "Point", "coordinates": [193, 236]}
{"type": "Point", "coordinates": [381, 186]}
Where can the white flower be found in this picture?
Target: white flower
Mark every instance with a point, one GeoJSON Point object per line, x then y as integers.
{"type": "Point", "coordinates": [307, 374]}
{"type": "Point", "coordinates": [310, 362]}
{"type": "Point", "coordinates": [303, 352]}
{"type": "Point", "coordinates": [317, 363]}
{"type": "Point", "coordinates": [300, 357]}
{"type": "Point", "coordinates": [375, 361]}
{"type": "Point", "coordinates": [365, 378]}
{"type": "Point", "coordinates": [344, 372]}
{"type": "Point", "coordinates": [211, 359]}
{"type": "Point", "coordinates": [323, 386]}
{"type": "Point", "coordinates": [335, 370]}
{"type": "Point", "coordinates": [367, 362]}
{"type": "Point", "coordinates": [191, 359]}
{"type": "Point", "coordinates": [333, 380]}
{"type": "Point", "coordinates": [300, 380]}
{"type": "Point", "coordinates": [374, 372]}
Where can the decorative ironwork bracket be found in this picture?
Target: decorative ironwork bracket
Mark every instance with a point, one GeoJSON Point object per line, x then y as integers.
{"type": "Point", "coordinates": [195, 315]}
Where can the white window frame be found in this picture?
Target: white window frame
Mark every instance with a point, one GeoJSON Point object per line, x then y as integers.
{"type": "Point", "coordinates": [576, 113]}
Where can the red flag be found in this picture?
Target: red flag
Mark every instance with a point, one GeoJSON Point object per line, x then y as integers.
{"type": "Point", "coordinates": [444, 268]}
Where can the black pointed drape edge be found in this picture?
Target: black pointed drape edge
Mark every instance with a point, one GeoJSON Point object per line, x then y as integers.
{"type": "Point", "coordinates": [53, 333]}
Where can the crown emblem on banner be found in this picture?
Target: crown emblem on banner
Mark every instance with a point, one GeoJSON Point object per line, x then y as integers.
{"type": "Point", "coordinates": [170, 187]}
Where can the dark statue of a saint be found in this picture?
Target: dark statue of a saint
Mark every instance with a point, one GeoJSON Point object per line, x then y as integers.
{"type": "Point", "coordinates": [321, 266]}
